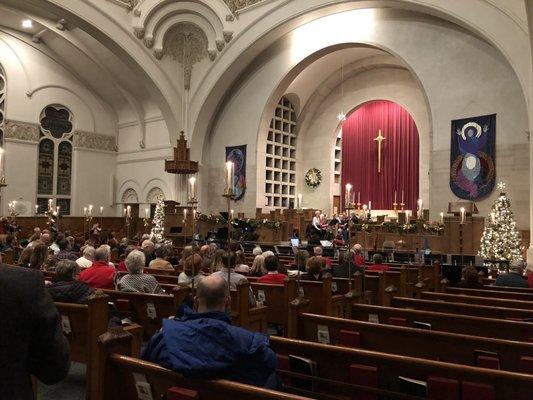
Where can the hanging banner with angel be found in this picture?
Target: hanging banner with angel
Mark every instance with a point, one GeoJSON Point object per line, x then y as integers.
{"type": "Point", "coordinates": [473, 157]}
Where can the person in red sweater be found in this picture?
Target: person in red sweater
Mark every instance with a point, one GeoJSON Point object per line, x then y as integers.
{"type": "Point", "coordinates": [378, 266]}
{"type": "Point", "coordinates": [358, 258]}
{"type": "Point", "coordinates": [99, 275]}
{"type": "Point", "coordinates": [272, 276]}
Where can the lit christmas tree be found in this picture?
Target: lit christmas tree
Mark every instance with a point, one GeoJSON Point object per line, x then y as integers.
{"type": "Point", "coordinates": [501, 239]}
{"type": "Point", "coordinates": [156, 234]}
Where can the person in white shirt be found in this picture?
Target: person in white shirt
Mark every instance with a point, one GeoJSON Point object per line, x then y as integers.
{"type": "Point", "coordinates": [86, 260]}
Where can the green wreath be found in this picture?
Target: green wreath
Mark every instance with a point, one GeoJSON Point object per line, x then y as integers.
{"type": "Point", "coordinates": [313, 177]}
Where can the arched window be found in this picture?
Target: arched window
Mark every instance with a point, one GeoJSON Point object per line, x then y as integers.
{"type": "Point", "coordinates": [3, 94]}
{"type": "Point", "coordinates": [55, 158]}
{"type": "Point", "coordinates": [280, 172]}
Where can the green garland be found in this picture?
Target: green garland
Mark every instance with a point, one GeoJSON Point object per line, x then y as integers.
{"type": "Point", "coordinates": [419, 226]}
{"type": "Point", "coordinates": [254, 223]}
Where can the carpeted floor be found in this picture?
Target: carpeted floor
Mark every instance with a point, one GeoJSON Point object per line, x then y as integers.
{"type": "Point", "coordinates": [72, 388]}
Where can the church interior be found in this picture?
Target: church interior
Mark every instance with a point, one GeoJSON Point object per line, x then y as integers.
{"type": "Point", "coordinates": [337, 183]}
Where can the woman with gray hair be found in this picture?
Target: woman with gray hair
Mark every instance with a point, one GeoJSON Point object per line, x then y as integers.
{"type": "Point", "coordinates": [135, 280]}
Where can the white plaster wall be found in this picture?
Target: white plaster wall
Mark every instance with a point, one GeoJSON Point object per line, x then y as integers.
{"type": "Point", "coordinates": [460, 74]}
{"type": "Point", "coordinates": [21, 173]}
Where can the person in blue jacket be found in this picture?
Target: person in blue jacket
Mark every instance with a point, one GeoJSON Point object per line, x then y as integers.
{"type": "Point", "coordinates": [204, 344]}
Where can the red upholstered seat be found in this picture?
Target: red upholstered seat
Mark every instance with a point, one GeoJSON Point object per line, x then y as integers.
{"type": "Point", "coordinates": [488, 362]}
{"type": "Point", "coordinates": [364, 375]}
{"type": "Point", "coordinates": [442, 388]}
{"type": "Point", "coordinates": [397, 321]}
{"type": "Point", "coordinates": [526, 364]}
{"type": "Point", "coordinates": [477, 391]}
{"type": "Point", "coordinates": [175, 393]}
{"type": "Point", "coordinates": [349, 338]}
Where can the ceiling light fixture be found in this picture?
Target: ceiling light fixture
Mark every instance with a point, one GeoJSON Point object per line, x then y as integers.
{"type": "Point", "coordinates": [27, 24]}
{"type": "Point", "coordinates": [341, 117]}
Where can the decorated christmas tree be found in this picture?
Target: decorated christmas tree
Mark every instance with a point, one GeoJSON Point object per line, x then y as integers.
{"type": "Point", "coordinates": [501, 239]}
{"type": "Point", "coordinates": [158, 221]}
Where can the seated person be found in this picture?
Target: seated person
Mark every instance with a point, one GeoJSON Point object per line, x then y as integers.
{"type": "Point", "coordinates": [514, 278]}
{"type": "Point", "coordinates": [161, 260]}
{"type": "Point", "coordinates": [315, 269]}
{"type": "Point", "coordinates": [470, 279]}
{"type": "Point", "coordinates": [204, 344]}
{"type": "Point", "coordinates": [240, 262]}
{"type": "Point", "coordinates": [65, 287]}
{"type": "Point", "coordinates": [378, 264]}
{"type": "Point", "coordinates": [32, 340]}
{"type": "Point", "coordinates": [358, 255]}
{"type": "Point", "coordinates": [99, 275]}
{"type": "Point", "coordinates": [228, 259]}
{"type": "Point", "coordinates": [192, 270]}
{"type": "Point", "coordinates": [342, 270]}
{"type": "Point", "coordinates": [135, 280]}
{"type": "Point", "coordinates": [318, 251]}
{"type": "Point", "coordinates": [86, 260]}
{"type": "Point", "coordinates": [64, 251]}
{"type": "Point", "coordinates": [272, 276]}
{"type": "Point", "coordinates": [258, 266]}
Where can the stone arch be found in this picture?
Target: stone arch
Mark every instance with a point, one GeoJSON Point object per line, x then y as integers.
{"type": "Point", "coordinates": [154, 195]}
{"type": "Point", "coordinates": [129, 196]}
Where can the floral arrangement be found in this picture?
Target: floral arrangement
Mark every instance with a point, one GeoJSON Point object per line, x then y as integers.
{"type": "Point", "coordinates": [254, 223]}
{"type": "Point", "coordinates": [419, 226]}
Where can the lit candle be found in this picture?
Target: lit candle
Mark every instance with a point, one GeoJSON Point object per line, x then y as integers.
{"type": "Point", "coordinates": [125, 211]}
{"type": "Point", "coordinates": [395, 197]}
{"type": "Point", "coordinates": [128, 211]}
{"type": "Point", "coordinates": [369, 205]}
{"type": "Point", "coordinates": [403, 202]}
{"type": "Point", "coordinates": [419, 214]}
{"type": "Point", "coordinates": [36, 209]}
{"type": "Point", "coordinates": [184, 214]}
{"type": "Point", "coordinates": [232, 213]}
{"type": "Point", "coordinates": [192, 188]}
{"type": "Point", "coordinates": [145, 213]}
{"type": "Point", "coordinates": [57, 210]}
{"type": "Point", "coordinates": [90, 209]}
{"type": "Point", "coordinates": [230, 168]}
{"type": "Point", "coordinates": [358, 197]}
{"type": "Point", "coordinates": [348, 194]}
{"type": "Point", "coordinates": [101, 210]}
{"type": "Point", "coordinates": [85, 211]}
{"type": "Point", "coordinates": [299, 201]}
{"type": "Point", "coordinates": [462, 215]}
{"type": "Point", "coordinates": [49, 204]}
{"type": "Point", "coordinates": [194, 213]}
{"type": "Point", "coordinates": [442, 218]}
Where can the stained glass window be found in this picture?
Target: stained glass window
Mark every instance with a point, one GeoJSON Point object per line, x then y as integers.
{"type": "Point", "coordinates": [55, 158]}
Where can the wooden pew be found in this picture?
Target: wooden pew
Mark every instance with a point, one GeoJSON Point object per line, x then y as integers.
{"type": "Point", "coordinates": [157, 272]}
{"type": "Point", "coordinates": [337, 367]}
{"type": "Point", "coordinates": [380, 287]}
{"type": "Point", "coordinates": [487, 301]}
{"type": "Point", "coordinates": [82, 324]}
{"type": "Point", "coordinates": [277, 298]}
{"type": "Point", "coordinates": [462, 308]}
{"type": "Point", "coordinates": [431, 345]}
{"type": "Point", "coordinates": [492, 292]}
{"type": "Point", "coordinates": [118, 382]}
{"type": "Point", "coordinates": [455, 323]}
{"type": "Point", "coordinates": [322, 301]}
{"type": "Point", "coordinates": [8, 257]}
{"type": "Point", "coordinates": [251, 318]}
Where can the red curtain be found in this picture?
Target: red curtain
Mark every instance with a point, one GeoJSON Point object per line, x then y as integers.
{"type": "Point", "coordinates": [399, 155]}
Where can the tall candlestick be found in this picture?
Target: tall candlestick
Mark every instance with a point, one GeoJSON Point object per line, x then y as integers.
{"type": "Point", "coordinates": [232, 213]}
{"type": "Point", "coordinates": [84, 211]}
{"type": "Point", "coordinates": [463, 213]}
{"type": "Point", "coordinates": [230, 170]}
{"type": "Point", "coordinates": [128, 211]}
{"type": "Point", "coordinates": [57, 210]}
{"type": "Point", "coordinates": [299, 201]}
{"type": "Point", "coordinates": [442, 218]}
{"type": "Point", "coordinates": [125, 211]}
{"type": "Point", "coordinates": [49, 204]}
{"type": "Point", "coordinates": [395, 197]}
{"type": "Point", "coordinates": [419, 211]}
{"type": "Point", "coordinates": [101, 210]}
{"type": "Point", "coordinates": [184, 214]}
{"type": "Point", "coordinates": [192, 188]}
{"type": "Point", "coordinates": [36, 209]}
{"type": "Point", "coordinates": [358, 197]}
{"type": "Point", "coordinates": [347, 195]}
{"type": "Point", "coordinates": [146, 213]}
{"type": "Point", "coordinates": [90, 209]}
{"type": "Point", "coordinates": [403, 197]}
{"type": "Point", "coordinates": [369, 205]}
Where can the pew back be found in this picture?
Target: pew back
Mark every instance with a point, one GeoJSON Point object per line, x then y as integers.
{"type": "Point", "coordinates": [481, 300]}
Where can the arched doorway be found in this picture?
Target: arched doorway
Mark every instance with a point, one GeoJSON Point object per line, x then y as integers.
{"type": "Point", "coordinates": [380, 155]}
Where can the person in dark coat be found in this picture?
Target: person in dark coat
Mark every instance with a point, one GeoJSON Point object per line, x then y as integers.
{"type": "Point", "coordinates": [31, 339]}
{"type": "Point", "coordinates": [65, 286]}
{"type": "Point", "coordinates": [315, 269]}
{"type": "Point", "coordinates": [205, 345]}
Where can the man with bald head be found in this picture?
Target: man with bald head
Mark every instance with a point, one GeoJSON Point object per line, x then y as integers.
{"type": "Point", "coordinates": [204, 344]}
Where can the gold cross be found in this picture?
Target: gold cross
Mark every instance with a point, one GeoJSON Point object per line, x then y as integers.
{"type": "Point", "coordinates": [380, 138]}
